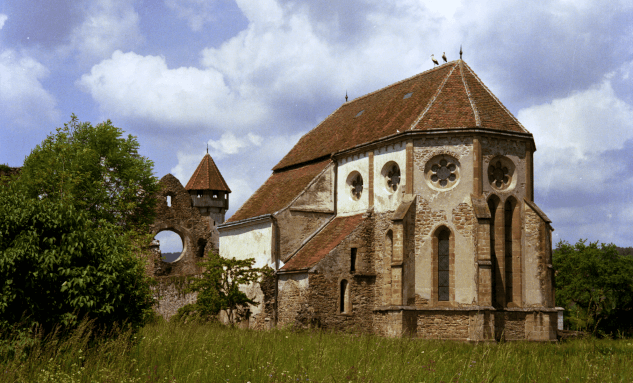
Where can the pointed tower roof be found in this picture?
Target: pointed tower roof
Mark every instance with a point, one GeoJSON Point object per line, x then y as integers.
{"type": "Point", "coordinates": [207, 177]}
{"type": "Point", "coordinates": [448, 97]}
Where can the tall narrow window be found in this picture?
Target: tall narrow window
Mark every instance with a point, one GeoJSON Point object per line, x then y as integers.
{"type": "Point", "coordinates": [352, 267]}
{"type": "Point", "coordinates": [169, 200]}
{"type": "Point", "coordinates": [508, 249]}
{"type": "Point", "coordinates": [344, 297]}
{"type": "Point", "coordinates": [492, 205]}
{"type": "Point", "coordinates": [443, 266]}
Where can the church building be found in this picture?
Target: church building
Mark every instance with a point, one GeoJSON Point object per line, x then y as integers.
{"type": "Point", "coordinates": [407, 211]}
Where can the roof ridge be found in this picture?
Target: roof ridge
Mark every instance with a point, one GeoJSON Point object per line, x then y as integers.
{"type": "Point", "coordinates": [432, 100]}
{"type": "Point", "coordinates": [217, 172]}
{"type": "Point", "coordinates": [401, 81]}
{"type": "Point", "coordinates": [495, 98]}
{"type": "Point", "coordinates": [472, 101]}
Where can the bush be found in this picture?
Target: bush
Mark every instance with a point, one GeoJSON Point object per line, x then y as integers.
{"type": "Point", "coordinates": [594, 283]}
{"type": "Point", "coordinates": [57, 266]}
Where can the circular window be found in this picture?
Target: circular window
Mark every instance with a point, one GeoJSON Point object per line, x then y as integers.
{"type": "Point", "coordinates": [391, 175]}
{"type": "Point", "coordinates": [355, 185]}
{"type": "Point", "coordinates": [170, 244]}
{"type": "Point", "coordinates": [442, 172]}
{"type": "Point", "coordinates": [501, 173]}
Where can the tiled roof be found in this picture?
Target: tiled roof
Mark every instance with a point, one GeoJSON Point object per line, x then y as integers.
{"type": "Point", "coordinates": [324, 242]}
{"type": "Point", "coordinates": [207, 177]}
{"type": "Point", "coordinates": [450, 96]}
{"type": "Point", "coordinates": [278, 191]}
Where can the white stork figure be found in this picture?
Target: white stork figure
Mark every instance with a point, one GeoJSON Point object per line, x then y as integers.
{"type": "Point", "coordinates": [434, 61]}
{"type": "Point", "coordinates": [444, 57]}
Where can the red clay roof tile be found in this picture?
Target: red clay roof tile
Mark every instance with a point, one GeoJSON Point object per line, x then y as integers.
{"type": "Point", "coordinates": [207, 177]}
{"type": "Point", "coordinates": [447, 97]}
{"type": "Point", "coordinates": [324, 242]}
{"type": "Point", "coordinates": [278, 191]}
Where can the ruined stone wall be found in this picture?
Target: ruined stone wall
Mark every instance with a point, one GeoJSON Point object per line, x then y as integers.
{"type": "Point", "coordinates": [194, 229]}
{"type": "Point", "coordinates": [169, 294]}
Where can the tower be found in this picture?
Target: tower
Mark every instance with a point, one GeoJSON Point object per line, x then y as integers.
{"type": "Point", "coordinates": [209, 192]}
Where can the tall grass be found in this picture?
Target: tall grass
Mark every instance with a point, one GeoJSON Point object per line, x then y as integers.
{"type": "Point", "coordinates": [168, 352]}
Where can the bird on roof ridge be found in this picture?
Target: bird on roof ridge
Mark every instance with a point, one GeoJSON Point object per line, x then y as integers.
{"type": "Point", "coordinates": [434, 61]}
{"type": "Point", "coordinates": [444, 57]}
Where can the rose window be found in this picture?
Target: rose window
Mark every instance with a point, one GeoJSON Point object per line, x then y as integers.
{"type": "Point", "coordinates": [443, 172]}
{"type": "Point", "coordinates": [498, 175]}
{"type": "Point", "coordinates": [393, 178]}
{"type": "Point", "coordinates": [357, 186]}
{"type": "Point", "coordinates": [501, 173]}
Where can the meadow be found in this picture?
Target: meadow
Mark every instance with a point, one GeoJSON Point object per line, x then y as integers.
{"type": "Point", "coordinates": [167, 352]}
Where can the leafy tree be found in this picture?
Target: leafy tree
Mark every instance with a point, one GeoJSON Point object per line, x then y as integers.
{"type": "Point", "coordinates": [219, 285]}
{"type": "Point", "coordinates": [94, 169]}
{"type": "Point", "coordinates": [595, 286]}
{"type": "Point", "coordinates": [58, 265]}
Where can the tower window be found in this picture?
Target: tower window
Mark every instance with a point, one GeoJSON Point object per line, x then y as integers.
{"type": "Point", "coordinates": [352, 267]}
{"type": "Point", "coordinates": [199, 193]}
{"type": "Point", "coordinates": [215, 195]}
{"type": "Point", "coordinates": [169, 200]}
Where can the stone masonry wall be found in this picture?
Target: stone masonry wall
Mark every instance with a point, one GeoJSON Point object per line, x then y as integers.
{"type": "Point", "coordinates": [194, 229]}
{"type": "Point", "coordinates": [443, 325]}
{"type": "Point", "coordinates": [324, 293]}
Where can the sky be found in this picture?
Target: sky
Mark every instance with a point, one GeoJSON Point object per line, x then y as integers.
{"type": "Point", "coordinates": [250, 77]}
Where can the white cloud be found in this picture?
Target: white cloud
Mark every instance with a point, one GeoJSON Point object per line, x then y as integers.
{"type": "Point", "coordinates": [108, 25]}
{"type": "Point", "coordinates": [571, 133]}
{"type": "Point", "coordinates": [142, 86]}
{"type": "Point", "coordinates": [3, 19]}
{"type": "Point", "coordinates": [229, 144]}
{"type": "Point", "coordinates": [23, 99]}
{"type": "Point", "coordinates": [196, 12]}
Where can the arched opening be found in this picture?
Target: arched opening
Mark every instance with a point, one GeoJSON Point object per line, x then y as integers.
{"type": "Point", "coordinates": [345, 305]}
{"type": "Point", "coordinates": [202, 243]}
{"type": "Point", "coordinates": [171, 245]}
{"type": "Point", "coordinates": [443, 265]}
{"type": "Point", "coordinates": [168, 199]}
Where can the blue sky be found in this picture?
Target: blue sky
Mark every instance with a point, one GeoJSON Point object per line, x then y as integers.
{"type": "Point", "coordinates": [249, 77]}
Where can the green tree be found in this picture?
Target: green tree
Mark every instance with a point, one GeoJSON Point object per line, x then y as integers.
{"type": "Point", "coordinates": [58, 265]}
{"type": "Point", "coordinates": [595, 286]}
{"type": "Point", "coordinates": [94, 169]}
{"type": "Point", "coordinates": [218, 287]}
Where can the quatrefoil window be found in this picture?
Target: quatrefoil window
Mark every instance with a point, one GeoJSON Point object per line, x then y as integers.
{"type": "Point", "coordinates": [356, 186]}
{"type": "Point", "coordinates": [443, 173]}
{"type": "Point", "coordinates": [500, 172]}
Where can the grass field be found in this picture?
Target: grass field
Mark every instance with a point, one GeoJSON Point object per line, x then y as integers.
{"type": "Point", "coordinates": [211, 353]}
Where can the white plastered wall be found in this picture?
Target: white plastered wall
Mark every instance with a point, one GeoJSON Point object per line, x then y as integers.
{"type": "Point", "coordinates": [250, 241]}
{"type": "Point", "coordinates": [346, 205]}
{"type": "Point", "coordinates": [386, 199]}
{"type": "Point", "coordinates": [444, 201]}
